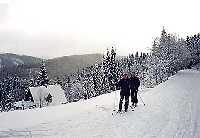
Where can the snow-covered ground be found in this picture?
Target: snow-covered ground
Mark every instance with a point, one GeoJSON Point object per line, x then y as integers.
{"type": "Point", "coordinates": [172, 111]}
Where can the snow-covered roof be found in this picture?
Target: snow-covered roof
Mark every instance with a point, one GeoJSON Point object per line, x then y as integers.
{"type": "Point", "coordinates": [57, 93]}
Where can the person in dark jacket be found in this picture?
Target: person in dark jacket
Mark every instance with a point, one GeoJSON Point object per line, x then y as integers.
{"type": "Point", "coordinates": [134, 85]}
{"type": "Point", "coordinates": [124, 92]}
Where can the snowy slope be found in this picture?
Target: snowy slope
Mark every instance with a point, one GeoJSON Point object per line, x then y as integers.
{"type": "Point", "coordinates": [172, 111]}
{"type": "Point", "coordinates": [57, 93]}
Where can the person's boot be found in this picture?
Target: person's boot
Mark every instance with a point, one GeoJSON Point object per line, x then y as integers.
{"type": "Point", "coordinates": [126, 108]}
{"type": "Point", "coordinates": [135, 105]}
{"type": "Point", "coordinates": [119, 111]}
{"type": "Point", "coordinates": [120, 107]}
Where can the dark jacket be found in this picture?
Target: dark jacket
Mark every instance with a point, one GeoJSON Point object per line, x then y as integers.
{"type": "Point", "coordinates": [124, 85]}
{"type": "Point", "coordinates": [134, 83]}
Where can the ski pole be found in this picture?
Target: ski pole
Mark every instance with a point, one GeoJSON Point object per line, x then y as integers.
{"type": "Point", "coordinates": [141, 99]}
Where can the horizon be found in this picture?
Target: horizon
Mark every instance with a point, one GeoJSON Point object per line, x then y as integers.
{"type": "Point", "coordinates": [64, 28]}
{"type": "Point", "coordinates": [60, 56]}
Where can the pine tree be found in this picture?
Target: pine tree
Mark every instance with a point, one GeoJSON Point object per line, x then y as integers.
{"type": "Point", "coordinates": [43, 77]}
{"type": "Point", "coordinates": [105, 71]}
{"type": "Point", "coordinates": [58, 81]}
{"type": "Point", "coordinates": [48, 99]}
{"type": "Point", "coordinates": [110, 69]}
{"type": "Point", "coordinates": [113, 74]}
{"type": "Point", "coordinates": [193, 45]}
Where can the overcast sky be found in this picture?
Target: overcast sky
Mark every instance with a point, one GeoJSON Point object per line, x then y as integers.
{"type": "Point", "coordinates": [52, 28]}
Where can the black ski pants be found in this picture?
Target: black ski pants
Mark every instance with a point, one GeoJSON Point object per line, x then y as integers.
{"type": "Point", "coordinates": [122, 96]}
{"type": "Point", "coordinates": [134, 98]}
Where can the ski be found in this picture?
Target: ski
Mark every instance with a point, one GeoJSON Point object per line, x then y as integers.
{"type": "Point", "coordinates": [117, 112]}
{"type": "Point", "coordinates": [122, 112]}
{"type": "Point", "coordinates": [133, 107]}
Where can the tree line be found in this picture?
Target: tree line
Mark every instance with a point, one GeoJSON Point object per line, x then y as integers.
{"type": "Point", "coordinates": [168, 54]}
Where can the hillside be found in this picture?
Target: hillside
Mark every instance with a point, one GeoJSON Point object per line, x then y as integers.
{"type": "Point", "coordinates": [11, 60]}
{"type": "Point", "coordinates": [21, 65]}
{"type": "Point", "coordinates": [172, 110]}
{"type": "Point", "coordinates": [69, 64]}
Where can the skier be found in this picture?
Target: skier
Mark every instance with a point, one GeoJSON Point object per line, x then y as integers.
{"type": "Point", "coordinates": [124, 92]}
{"type": "Point", "coordinates": [134, 85]}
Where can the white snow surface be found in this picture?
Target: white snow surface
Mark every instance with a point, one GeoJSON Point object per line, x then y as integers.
{"type": "Point", "coordinates": [172, 111]}
{"type": "Point", "coordinates": [57, 93]}
{"type": "Point", "coordinates": [23, 104]}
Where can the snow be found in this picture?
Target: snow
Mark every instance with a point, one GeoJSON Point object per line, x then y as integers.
{"type": "Point", "coordinates": [24, 104]}
{"type": "Point", "coordinates": [17, 61]}
{"type": "Point", "coordinates": [172, 110]}
{"type": "Point", "coordinates": [57, 93]}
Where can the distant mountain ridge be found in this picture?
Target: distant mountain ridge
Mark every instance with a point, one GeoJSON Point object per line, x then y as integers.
{"type": "Point", "coordinates": [70, 64]}
{"type": "Point", "coordinates": [12, 60]}
{"type": "Point", "coordinates": [55, 67]}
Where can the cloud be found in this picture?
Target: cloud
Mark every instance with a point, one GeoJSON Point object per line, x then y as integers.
{"type": "Point", "coordinates": [50, 28]}
{"type": "Point", "coordinates": [47, 45]}
{"type": "Point", "coordinates": [4, 7]}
